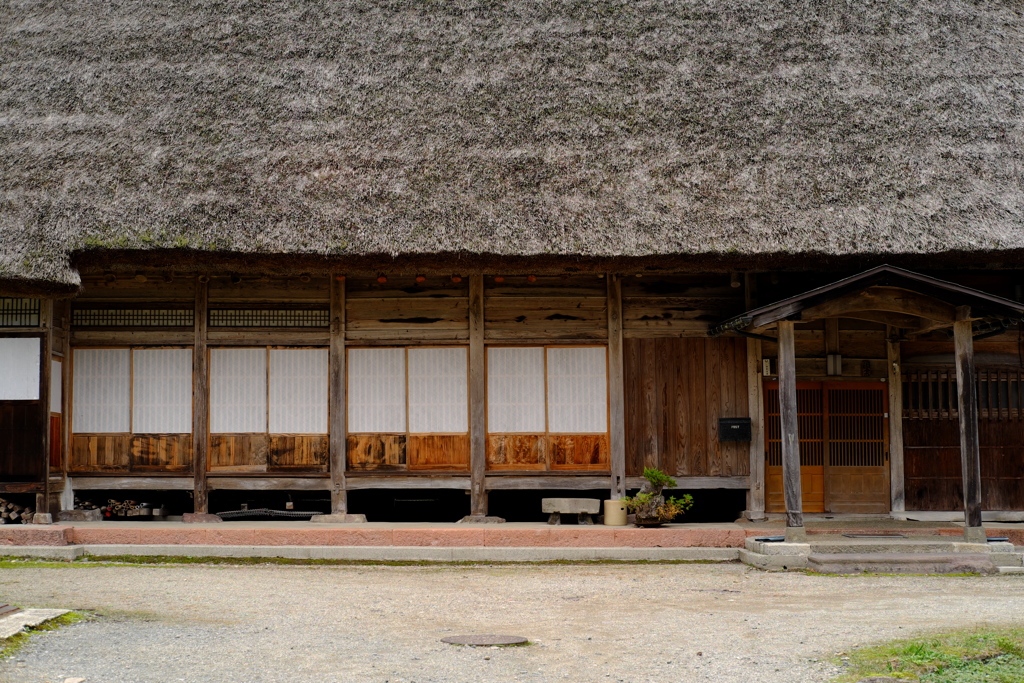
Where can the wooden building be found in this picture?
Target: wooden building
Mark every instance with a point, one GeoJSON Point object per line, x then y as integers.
{"type": "Point", "coordinates": [517, 247]}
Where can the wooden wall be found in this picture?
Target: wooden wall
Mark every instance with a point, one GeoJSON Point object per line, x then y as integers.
{"type": "Point", "coordinates": [267, 453]}
{"type": "Point", "coordinates": [546, 309]}
{"type": "Point", "coordinates": [682, 305]}
{"type": "Point", "coordinates": [676, 390]}
{"type": "Point", "coordinates": [402, 311]}
{"type": "Point", "coordinates": [932, 462]}
{"type": "Point", "coordinates": [861, 345]}
{"type": "Point", "coordinates": [21, 441]}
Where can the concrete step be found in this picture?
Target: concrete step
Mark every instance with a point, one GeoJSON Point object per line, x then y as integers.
{"type": "Point", "coordinates": [901, 563]}
{"type": "Point", "coordinates": [833, 545]}
{"type": "Point", "coordinates": [1011, 570]}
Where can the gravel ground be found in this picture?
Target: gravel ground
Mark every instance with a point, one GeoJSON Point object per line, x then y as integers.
{"type": "Point", "coordinates": [630, 623]}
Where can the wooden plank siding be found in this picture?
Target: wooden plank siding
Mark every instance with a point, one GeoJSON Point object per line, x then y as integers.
{"type": "Point", "coordinates": [683, 305]}
{"type": "Point", "coordinates": [545, 309]}
{"type": "Point", "coordinates": [268, 453]}
{"type": "Point", "coordinates": [676, 391]}
{"type": "Point", "coordinates": [21, 441]}
{"type": "Point", "coordinates": [402, 311]}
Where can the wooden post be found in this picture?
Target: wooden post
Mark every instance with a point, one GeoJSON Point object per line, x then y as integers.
{"type": "Point", "coordinates": [970, 459]}
{"type": "Point", "coordinates": [337, 429]}
{"type": "Point", "coordinates": [790, 431]}
{"type": "Point", "coordinates": [616, 389]}
{"type": "Point", "coordinates": [201, 398]}
{"type": "Point", "coordinates": [897, 495]}
{"type": "Point", "coordinates": [46, 322]}
{"type": "Point", "coordinates": [477, 394]}
{"type": "Point", "coordinates": [755, 403]}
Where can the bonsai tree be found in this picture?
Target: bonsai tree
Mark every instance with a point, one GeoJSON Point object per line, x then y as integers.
{"type": "Point", "coordinates": [650, 507]}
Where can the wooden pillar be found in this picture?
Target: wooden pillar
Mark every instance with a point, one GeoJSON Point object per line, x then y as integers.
{"type": "Point", "coordinates": [201, 398]}
{"type": "Point", "coordinates": [477, 397]}
{"type": "Point", "coordinates": [616, 390]}
{"type": "Point", "coordinates": [337, 429]}
{"type": "Point", "coordinates": [46, 322]}
{"type": "Point", "coordinates": [897, 494]}
{"type": "Point", "coordinates": [790, 431]}
{"type": "Point", "coordinates": [755, 404]}
{"type": "Point", "coordinates": [970, 458]}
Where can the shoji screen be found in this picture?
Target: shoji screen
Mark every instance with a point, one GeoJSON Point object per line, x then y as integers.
{"type": "Point", "coordinates": [577, 390]}
{"type": "Point", "coordinates": [162, 391]}
{"type": "Point", "coordinates": [298, 391]}
{"type": "Point", "coordinates": [19, 369]}
{"type": "Point", "coordinates": [56, 386]}
{"type": "Point", "coordinates": [438, 391]}
{"type": "Point", "coordinates": [102, 389]}
{"type": "Point", "coordinates": [515, 390]}
{"type": "Point", "coordinates": [376, 390]}
{"type": "Point", "coordinates": [238, 391]}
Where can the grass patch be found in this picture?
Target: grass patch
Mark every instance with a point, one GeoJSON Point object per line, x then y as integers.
{"type": "Point", "coordinates": [989, 655]}
{"type": "Point", "coordinates": [158, 560]}
{"type": "Point", "coordinates": [9, 646]}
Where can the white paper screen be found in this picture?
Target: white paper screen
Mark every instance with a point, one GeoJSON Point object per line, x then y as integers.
{"type": "Point", "coordinates": [298, 391]}
{"type": "Point", "coordinates": [238, 391]}
{"type": "Point", "coordinates": [515, 390]}
{"type": "Point", "coordinates": [56, 387]}
{"type": "Point", "coordinates": [438, 390]}
{"type": "Point", "coordinates": [19, 369]}
{"type": "Point", "coordinates": [101, 390]}
{"type": "Point", "coordinates": [577, 390]}
{"type": "Point", "coordinates": [162, 391]}
{"type": "Point", "coordinates": [376, 390]}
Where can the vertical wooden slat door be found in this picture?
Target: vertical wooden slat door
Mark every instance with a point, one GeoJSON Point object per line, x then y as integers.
{"type": "Point", "coordinates": [811, 426]}
{"type": "Point", "coordinates": [857, 463]}
{"type": "Point", "coordinates": [844, 465]}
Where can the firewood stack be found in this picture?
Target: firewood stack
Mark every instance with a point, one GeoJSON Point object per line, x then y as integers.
{"type": "Point", "coordinates": [84, 504]}
{"type": "Point", "coordinates": [12, 513]}
{"type": "Point", "coordinates": [127, 508]}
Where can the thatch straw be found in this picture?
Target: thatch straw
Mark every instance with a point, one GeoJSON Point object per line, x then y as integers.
{"type": "Point", "coordinates": [565, 127]}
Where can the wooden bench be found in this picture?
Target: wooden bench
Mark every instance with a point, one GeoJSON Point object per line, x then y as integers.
{"type": "Point", "coordinates": [581, 507]}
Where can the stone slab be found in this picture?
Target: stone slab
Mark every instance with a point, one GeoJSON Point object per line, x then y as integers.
{"type": "Point", "coordinates": [35, 534]}
{"type": "Point", "coordinates": [15, 623]}
{"type": "Point", "coordinates": [80, 516]}
{"type": "Point", "coordinates": [570, 506]}
{"type": "Point", "coordinates": [774, 563]}
{"type": "Point", "coordinates": [338, 518]}
{"type": "Point", "coordinates": [901, 563]}
{"type": "Point", "coordinates": [200, 518]}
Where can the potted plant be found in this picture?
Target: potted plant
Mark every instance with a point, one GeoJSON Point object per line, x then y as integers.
{"type": "Point", "coordinates": [650, 507]}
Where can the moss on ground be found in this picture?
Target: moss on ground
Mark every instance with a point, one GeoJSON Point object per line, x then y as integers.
{"type": "Point", "coordinates": [9, 646]}
{"type": "Point", "coordinates": [153, 560]}
{"type": "Point", "coordinates": [971, 656]}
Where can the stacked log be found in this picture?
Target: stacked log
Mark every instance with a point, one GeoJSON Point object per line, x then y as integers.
{"type": "Point", "coordinates": [85, 504]}
{"type": "Point", "coordinates": [12, 513]}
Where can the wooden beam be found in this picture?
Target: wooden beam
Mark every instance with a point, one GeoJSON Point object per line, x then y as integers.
{"type": "Point", "coordinates": [897, 494]}
{"type": "Point", "coordinates": [134, 483]}
{"type": "Point", "coordinates": [898, 320]}
{"type": "Point", "coordinates": [590, 483]}
{"type": "Point", "coordinates": [755, 404]}
{"type": "Point", "coordinates": [687, 483]}
{"type": "Point", "coordinates": [477, 397]}
{"type": "Point", "coordinates": [832, 336]}
{"type": "Point", "coordinates": [790, 430]}
{"type": "Point", "coordinates": [886, 299]}
{"type": "Point", "coordinates": [336, 398]}
{"type": "Point", "coordinates": [201, 398]}
{"type": "Point", "coordinates": [970, 453]}
{"type": "Point", "coordinates": [616, 390]}
{"type": "Point", "coordinates": [270, 484]}
{"type": "Point", "coordinates": [359, 483]}
{"type": "Point", "coordinates": [23, 487]}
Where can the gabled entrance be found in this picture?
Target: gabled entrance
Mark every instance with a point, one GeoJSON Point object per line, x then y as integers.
{"type": "Point", "coordinates": [844, 447]}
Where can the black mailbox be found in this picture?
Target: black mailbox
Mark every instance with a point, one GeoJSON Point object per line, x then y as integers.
{"type": "Point", "coordinates": [734, 429]}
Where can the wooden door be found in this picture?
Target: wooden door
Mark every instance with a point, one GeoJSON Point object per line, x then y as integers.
{"type": "Point", "coordinates": [811, 426]}
{"type": "Point", "coordinates": [857, 448]}
{"type": "Point", "coordinates": [844, 464]}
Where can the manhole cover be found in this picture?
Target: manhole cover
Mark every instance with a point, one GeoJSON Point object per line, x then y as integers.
{"type": "Point", "coordinates": [485, 641]}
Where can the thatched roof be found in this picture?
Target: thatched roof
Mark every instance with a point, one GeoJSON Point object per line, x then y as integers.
{"type": "Point", "coordinates": [589, 128]}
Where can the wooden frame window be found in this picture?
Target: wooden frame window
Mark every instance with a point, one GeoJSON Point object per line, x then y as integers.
{"type": "Point", "coordinates": [408, 408]}
{"type": "Point", "coordinates": [547, 408]}
{"type": "Point", "coordinates": [268, 409]}
{"type": "Point", "coordinates": [131, 409]}
{"type": "Point", "coordinates": [19, 368]}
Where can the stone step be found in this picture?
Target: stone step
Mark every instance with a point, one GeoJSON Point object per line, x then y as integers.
{"type": "Point", "coordinates": [901, 563]}
{"type": "Point", "coordinates": [832, 545]}
{"type": "Point", "coordinates": [1011, 570]}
